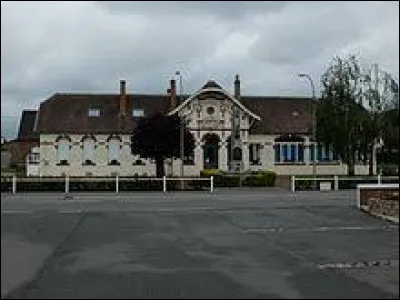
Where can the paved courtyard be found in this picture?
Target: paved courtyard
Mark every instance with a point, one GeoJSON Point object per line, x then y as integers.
{"type": "Point", "coordinates": [230, 244]}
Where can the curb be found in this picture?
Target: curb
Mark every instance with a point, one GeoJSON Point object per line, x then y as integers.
{"type": "Point", "coordinates": [394, 220]}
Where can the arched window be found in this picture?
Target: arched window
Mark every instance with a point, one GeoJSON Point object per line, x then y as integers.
{"type": "Point", "coordinates": [88, 151]}
{"type": "Point", "coordinates": [113, 151]}
{"type": "Point", "coordinates": [63, 149]}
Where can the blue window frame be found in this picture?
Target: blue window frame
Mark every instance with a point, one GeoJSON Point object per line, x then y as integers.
{"type": "Point", "coordinates": [277, 153]}
{"type": "Point", "coordinates": [301, 153]}
{"type": "Point", "coordinates": [285, 152]}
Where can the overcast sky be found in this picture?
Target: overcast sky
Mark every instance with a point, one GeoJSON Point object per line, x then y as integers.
{"type": "Point", "coordinates": [53, 47]}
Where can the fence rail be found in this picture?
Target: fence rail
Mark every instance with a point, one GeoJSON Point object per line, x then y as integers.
{"type": "Point", "coordinates": [117, 180]}
{"type": "Point", "coordinates": [336, 180]}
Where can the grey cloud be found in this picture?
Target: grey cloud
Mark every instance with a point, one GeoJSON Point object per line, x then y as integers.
{"type": "Point", "coordinates": [221, 9]}
{"type": "Point", "coordinates": [88, 46]}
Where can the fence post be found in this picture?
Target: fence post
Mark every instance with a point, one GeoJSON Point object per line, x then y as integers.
{"type": "Point", "coordinates": [14, 184]}
{"type": "Point", "coordinates": [212, 184]}
{"type": "Point", "coordinates": [164, 184]}
{"type": "Point", "coordinates": [116, 184]}
{"type": "Point", "coordinates": [379, 179]}
{"type": "Point", "coordinates": [66, 184]}
{"type": "Point", "coordinates": [336, 186]}
{"type": "Point", "coordinates": [292, 184]}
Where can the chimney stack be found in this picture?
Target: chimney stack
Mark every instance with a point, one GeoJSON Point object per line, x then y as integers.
{"type": "Point", "coordinates": [123, 101]}
{"type": "Point", "coordinates": [172, 91]}
{"type": "Point", "coordinates": [237, 87]}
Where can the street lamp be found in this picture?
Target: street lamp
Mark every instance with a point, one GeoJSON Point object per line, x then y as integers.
{"type": "Point", "coordinates": [314, 128]}
{"type": "Point", "coordinates": [181, 135]}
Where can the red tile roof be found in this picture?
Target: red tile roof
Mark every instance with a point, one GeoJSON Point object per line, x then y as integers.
{"type": "Point", "coordinates": [68, 113]}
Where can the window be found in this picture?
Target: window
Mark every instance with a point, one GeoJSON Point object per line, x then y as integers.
{"type": "Point", "coordinates": [88, 151]}
{"type": "Point", "coordinates": [94, 112]}
{"type": "Point", "coordinates": [189, 159]}
{"type": "Point", "coordinates": [138, 113]}
{"type": "Point", "coordinates": [33, 158]}
{"type": "Point", "coordinates": [254, 154]}
{"type": "Point", "coordinates": [63, 151]}
{"type": "Point", "coordinates": [113, 152]}
{"type": "Point", "coordinates": [289, 152]}
{"type": "Point", "coordinates": [210, 110]}
{"type": "Point", "coordinates": [277, 152]}
{"type": "Point", "coordinates": [323, 153]}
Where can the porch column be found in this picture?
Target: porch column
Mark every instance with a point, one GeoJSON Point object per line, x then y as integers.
{"type": "Point", "coordinates": [268, 155]}
{"type": "Point", "coordinates": [307, 149]}
{"type": "Point", "coordinates": [199, 154]}
{"type": "Point", "coordinates": [222, 156]}
{"type": "Point", "coordinates": [245, 156]}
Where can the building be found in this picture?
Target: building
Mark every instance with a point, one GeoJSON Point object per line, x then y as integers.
{"type": "Point", "coordinates": [89, 134]}
{"type": "Point", "coordinates": [27, 138]}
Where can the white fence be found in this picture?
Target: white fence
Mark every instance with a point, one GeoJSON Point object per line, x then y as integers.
{"type": "Point", "coordinates": [336, 180]}
{"type": "Point", "coordinates": [67, 180]}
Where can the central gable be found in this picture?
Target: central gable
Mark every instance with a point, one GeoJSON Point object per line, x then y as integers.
{"type": "Point", "coordinates": [212, 92]}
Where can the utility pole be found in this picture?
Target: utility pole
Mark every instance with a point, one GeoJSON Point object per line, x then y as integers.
{"type": "Point", "coordinates": [314, 128]}
{"type": "Point", "coordinates": [182, 131]}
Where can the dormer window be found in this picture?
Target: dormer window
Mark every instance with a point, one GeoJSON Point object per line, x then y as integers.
{"type": "Point", "coordinates": [94, 112]}
{"type": "Point", "coordinates": [138, 113]}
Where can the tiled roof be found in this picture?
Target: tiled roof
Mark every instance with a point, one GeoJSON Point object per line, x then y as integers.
{"type": "Point", "coordinates": [280, 115]}
{"type": "Point", "coordinates": [69, 113]}
{"type": "Point", "coordinates": [211, 84]}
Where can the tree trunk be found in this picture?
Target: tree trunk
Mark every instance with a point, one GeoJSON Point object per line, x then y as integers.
{"type": "Point", "coordinates": [371, 161]}
{"type": "Point", "coordinates": [160, 167]}
{"type": "Point", "coordinates": [351, 162]}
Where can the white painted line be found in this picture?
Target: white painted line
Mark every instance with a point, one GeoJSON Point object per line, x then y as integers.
{"type": "Point", "coordinates": [318, 229]}
{"type": "Point", "coordinates": [360, 264]}
{"type": "Point", "coordinates": [16, 211]}
{"type": "Point", "coordinates": [71, 211]}
{"type": "Point", "coordinates": [185, 209]}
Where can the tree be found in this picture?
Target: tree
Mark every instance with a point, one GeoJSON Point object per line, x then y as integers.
{"type": "Point", "coordinates": [339, 113]}
{"type": "Point", "coordinates": [380, 95]}
{"type": "Point", "coordinates": [158, 137]}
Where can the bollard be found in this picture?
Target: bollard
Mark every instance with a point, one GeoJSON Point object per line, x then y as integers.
{"type": "Point", "coordinates": [293, 185]}
{"type": "Point", "coordinates": [379, 179]}
{"type": "Point", "coordinates": [116, 184]}
{"type": "Point", "coordinates": [14, 184]}
{"type": "Point", "coordinates": [164, 184]}
{"type": "Point", "coordinates": [212, 184]}
{"type": "Point", "coordinates": [66, 184]}
{"type": "Point", "coordinates": [336, 183]}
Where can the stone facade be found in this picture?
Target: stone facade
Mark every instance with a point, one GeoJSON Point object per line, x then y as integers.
{"type": "Point", "coordinates": [283, 146]}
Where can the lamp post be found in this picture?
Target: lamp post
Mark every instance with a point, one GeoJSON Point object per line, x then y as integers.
{"type": "Point", "coordinates": [181, 135]}
{"type": "Point", "coordinates": [314, 128]}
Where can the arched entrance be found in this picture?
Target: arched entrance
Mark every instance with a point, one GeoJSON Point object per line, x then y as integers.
{"type": "Point", "coordinates": [210, 149]}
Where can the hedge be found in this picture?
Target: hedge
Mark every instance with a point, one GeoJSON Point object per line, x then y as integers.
{"type": "Point", "coordinates": [255, 179]}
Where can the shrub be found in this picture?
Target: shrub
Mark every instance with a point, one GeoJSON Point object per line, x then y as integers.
{"type": "Point", "coordinates": [260, 179]}
{"type": "Point", "coordinates": [210, 172]}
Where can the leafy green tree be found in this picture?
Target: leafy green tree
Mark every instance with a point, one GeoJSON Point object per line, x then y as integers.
{"type": "Point", "coordinates": [380, 95]}
{"type": "Point", "coordinates": [158, 137]}
{"type": "Point", "coordinates": [339, 112]}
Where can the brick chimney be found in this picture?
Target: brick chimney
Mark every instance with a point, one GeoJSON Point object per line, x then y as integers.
{"type": "Point", "coordinates": [237, 87]}
{"type": "Point", "coordinates": [123, 99]}
{"type": "Point", "coordinates": [172, 92]}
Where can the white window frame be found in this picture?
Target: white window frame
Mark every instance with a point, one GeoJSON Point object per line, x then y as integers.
{"type": "Point", "coordinates": [138, 113]}
{"type": "Point", "coordinates": [88, 149]}
{"type": "Point", "coordinates": [94, 112]}
{"type": "Point", "coordinates": [113, 150]}
{"type": "Point", "coordinates": [63, 150]}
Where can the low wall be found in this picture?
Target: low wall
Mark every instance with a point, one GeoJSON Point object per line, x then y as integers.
{"type": "Point", "coordinates": [379, 199]}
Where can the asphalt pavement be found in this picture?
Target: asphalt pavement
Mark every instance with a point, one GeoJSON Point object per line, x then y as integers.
{"type": "Point", "coordinates": [234, 243]}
